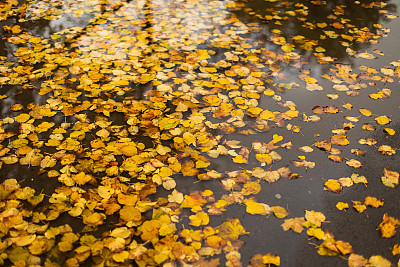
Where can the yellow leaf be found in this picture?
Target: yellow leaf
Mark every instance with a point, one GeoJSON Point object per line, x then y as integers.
{"type": "Point", "coordinates": [165, 172]}
{"type": "Point", "coordinates": [189, 138]}
{"type": "Point", "coordinates": [396, 250]}
{"type": "Point", "coordinates": [292, 113]}
{"type": "Point", "coordinates": [167, 229]}
{"type": "Point", "coordinates": [266, 158]}
{"type": "Point", "coordinates": [354, 163]}
{"type": "Point", "coordinates": [121, 256]}
{"type": "Point", "coordinates": [269, 92]}
{"type": "Point", "coordinates": [122, 232]}
{"type": "Point", "coordinates": [94, 219]}
{"type": "Point", "coordinates": [251, 188]}
{"type": "Point", "coordinates": [333, 186]}
{"type": "Point", "coordinates": [390, 178]}
{"type": "Point", "coordinates": [376, 96]}
{"type": "Point", "coordinates": [373, 202]}
{"type": "Point", "coordinates": [214, 241]}
{"type": "Point", "coordinates": [240, 159]}
{"type": "Point", "coordinates": [254, 111]}
{"type": "Point", "coordinates": [188, 169]}
{"type": "Point", "coordinates": [19, 143]}
{"type": "Point", "coordinates": [316, 232]}
{"type": "Point", "coordinates": [347, 106]}
{"type": "Point", "coordinates": [82, 178]}
{"type": "Point", "coordinates": [365, 112]}
{"type": "Point", "coordinates": [357, 261]}
{"type": "Point", "coordinates": [271, 259]}
{"type": "Point", "coordinates": [382, 120]}
{"type": "Point", "coordinates": [213, 100]}
{"type": "Point", "coordinates": [287, 48]}
{"type": "Point", "coordinates": [358, 206]}
{"type": "Point", "coordinates": [130, 213]}
{"type": "Point", "coordinates": [379, 261]}
{"type": "Point", "coordinates": [279, 212]}
{"type": "Point", "coordinates": [22, 118]}
{"type": "Point", "coordinates": [389, 131]}
{"type": "Point", "coordinates": [315, 217]}
{"type": "Point", "coordinates": [267, 115]}
{"type": "Point", "coordinates": [344, 247]}
{"type": "Point", "coordinates": [47, 112]}
{"type": "Point", "coordinates": [359, 179]}
{"type": "Point", "coordinates": [202, 164]}
{"type": "Point", "coordinates": [340, 139]}
{"type": "Point", "coordinates": [295, 224]}
{"type": "Point", "coordinates": [257, 208]}
{"type": "Point", "coordinates": [276, 138]}
{"type": "Point", "coordinates": [198, 219]}
{"type": "Point", "coordinates": [230, 230]}
{"type": "Point", "coordinates": [309, 79]}
{"type": "Point", "coordinates": [342, 205]}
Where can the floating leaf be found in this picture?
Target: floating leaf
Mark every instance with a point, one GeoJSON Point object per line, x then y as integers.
{"type": "Point", "coordinates": [389, 131]}
{"type": "Point", "coordinates": [382, 120]}
{"type": "Point", "coordinates": [294, 224]}
{"type": "Point", "coordinates": [390, 178]}
{"type": "Point", "coordinates": [333, 186]}
{"type": "Point", "coordinates": [198, 219]}
{"type": "Point", "coordinates": [373, 202]}
{"type": "Point", "coordinates": [354, 163]}
{"type": "Point", "coordinates": [315, 217]}
{"type": "Point", "coordinates": [340, 139]}
{"type": "Point", "coordinates": [257, 208]}
{"type": "Point", "coordinates": [279, 212]}
{"type": "Point", "coordinates": [342, 205]}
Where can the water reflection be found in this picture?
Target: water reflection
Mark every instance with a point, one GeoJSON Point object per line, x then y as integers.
{"type": "Point", "coordinates": [331, 25]}
{"type": "Point", "coordinates": [167, 39]}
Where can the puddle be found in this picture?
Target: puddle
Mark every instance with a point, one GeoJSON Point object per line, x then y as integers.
{"type": "Point", "coordinates": [113, 70]}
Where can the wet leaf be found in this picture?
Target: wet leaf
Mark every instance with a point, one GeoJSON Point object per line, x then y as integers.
{"type": "Point", "coordinates": [333, 186]}
{"type": "Point", "coordinates": [354, 163]}
{"type": "Point", "coordinates": [358, 206]}
{"type": "Point", "coordinates": [257, 208]}
{"type": "Point", "coordinates": [373, 202]}
{"type": "Point", "coordinates": [390, 178]}
{"type": "Point", "coordinates": [340, 139]}
{"type": "Point", "coordinates": [271, 259]}
{"type": "Point", "coordinates": [355, 260]}
{"type": "Point", "coordinates": [315, 217]}
{"type": "Point", "coordinates": [198, 219]}
{"type": "Point", "coordinates": [379, 261]}
{"type": "Point", "coordinates": [342, 205]}
{"type": "Point", "coordinates": [294, 224]}
{"type": "Point", "coordinates": [279, 212]}
{"type": "Point", "coordinates": [316, 232]}
{"type": "Point", "coordinates": [382, 120]}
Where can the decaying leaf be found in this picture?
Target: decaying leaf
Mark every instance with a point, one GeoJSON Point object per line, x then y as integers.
{"type": "Point", "coordinates": [359, 206]}
{"type": "Point", "coordinates": [294, 224]}
{"type": "Point", "coordinates": [390, 178]}
{"type": "Point", "coordinates": [388, 226]}
{"type": "Point", "coordinates": [279, 212]}
{"type": "Point", "coordinates": [315, 217]}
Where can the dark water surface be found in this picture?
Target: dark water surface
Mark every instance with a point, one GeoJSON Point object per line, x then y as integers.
{"type": "Point", "coordinates": [306, 192]}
